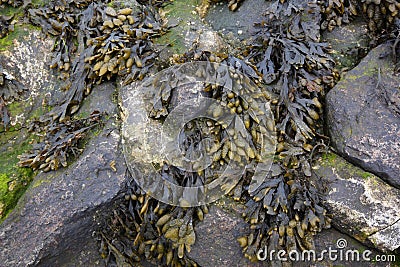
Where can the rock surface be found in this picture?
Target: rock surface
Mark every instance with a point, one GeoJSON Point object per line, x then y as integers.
{"type": "Point", "coordinates": [217, 245]}
{"type": "Point", "coordinates": [239, 23]}
{"type": "Point", "coordinates": [54, 221]}
{"type": "Point", "coordinates": [188, 30]}
{"type": "Point", "coordinates": [363, 114]}
{"type": "Point", "coordinates": [349, 42]}
{"type": "Point", "coordinates": [57, 215]}
{"type": "Point", "coordinates": [216, 238]}
{"type": "Point", "coordinates": [361, 204]}
{"type": "Point", "coordinates": [25, 62]}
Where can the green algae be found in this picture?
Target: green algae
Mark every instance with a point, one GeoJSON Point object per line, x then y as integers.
{"type": "Point", "coordinates": [20, 31]}
{"type": "Point", "coordinates": [13, 179]}
{"type": "Point", "coordinates": [334, 161]}
{"type": "Point", "coordinates": [184, 12]}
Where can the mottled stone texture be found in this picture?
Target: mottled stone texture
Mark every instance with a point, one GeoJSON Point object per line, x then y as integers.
{"type": "Point", "coordinates": [361, 204]}
{"type": "Point", "coordinates": [54, 221]}
{"type": "Point", "coordinates": [363, 116]}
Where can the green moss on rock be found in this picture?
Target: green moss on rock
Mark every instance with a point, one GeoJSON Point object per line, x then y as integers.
{"type": "Point", "coordinates": [13, 179]}
{"type": "Point", "coordinates": [183, 12]}
{"type": "Point", "coordinates": [334, 161]}
{"type": "Point", "coordinates": [20, 31]}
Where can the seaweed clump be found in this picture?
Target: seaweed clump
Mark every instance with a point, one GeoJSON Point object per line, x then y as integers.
{"type": "Point", "coordinates": [380, 14]}
{"type": "Point", "coordinates": [292, 71]}
{"type": "Point", "coordinates": [59, 142]}
{"type": "Point", "coordinates": [142, 227]}
{"type": "Point", "coordinates": [109, 43]}
{"type": "Point", "coordinates": [10, 90]}
{"type": "Point", "coordinates": [285, 211]}
{"type": "Point", "coordinates": [94, 42]}
{"type": "Point", "coordinates": [165, 231]}
{"type": "Point", "coordinates": [5, 25]}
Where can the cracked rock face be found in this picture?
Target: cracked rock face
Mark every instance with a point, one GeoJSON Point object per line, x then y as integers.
{"type": "Point", "coordinates": [363, 114]}
{"type": "Point", "coordinates": [362, 204]}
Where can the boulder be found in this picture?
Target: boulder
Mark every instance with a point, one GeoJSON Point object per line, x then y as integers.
{"type": "Point", "coordinates": [363, 116]}
{"type": "Point", "coordinates": [361, 204]}
{"type": "Point", "coordinates": [53, 222]}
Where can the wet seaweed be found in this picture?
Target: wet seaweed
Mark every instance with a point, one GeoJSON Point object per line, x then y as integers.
{"type": "Point", "coordinates": [10, 90]}
{"type": "Point", "coordinates": [379, 14]}
{"type": "Point", "coordinates": [142, 227]}
{"type": "Point", "coordinates": [109, 42]}
{"type": "Point", "coordinates": [6, 25]}
{"type": "Point", "coordinates": [237, 143]}
{"type": "Point", "coordinates": [294, 69]}
{"type": "Point", "coordinates": [285, 211]}
{"type": "Point", "coordinates": [95, 42]}
{"type": "Point", "coordinates": [59, 142]}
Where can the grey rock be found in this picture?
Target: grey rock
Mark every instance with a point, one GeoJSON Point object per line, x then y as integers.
{"type": "Point", "coordinates": [363, 116]}
{"type": "Point", "coordinates": [28, 62]}
{"type": "Point", "coordinates": [349, 42]}
{"type": "Point", "coordinates": [190, 29]}
{"type": "Point", "coordinates": [53, 222]}
{"type": "Point", "coordinates": [241, 22]}
{"type": "Point", "coordinates": [216, 240]}
{"type": "Point", "coordinates": [361, 204]}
